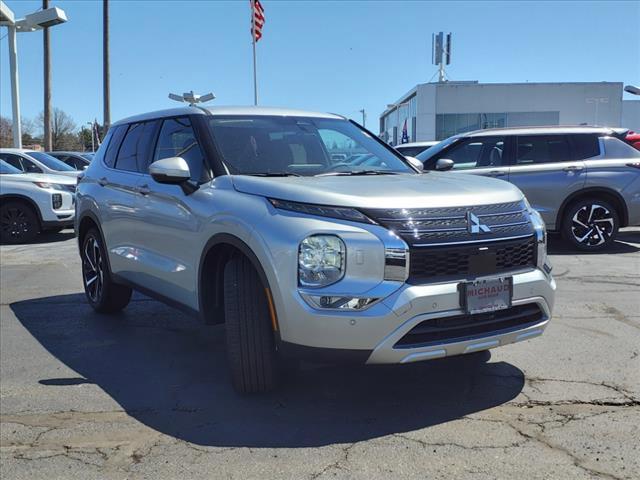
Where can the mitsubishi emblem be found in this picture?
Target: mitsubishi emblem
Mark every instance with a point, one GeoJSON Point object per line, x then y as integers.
{"type": "Point", "coordinates": [475, 226]}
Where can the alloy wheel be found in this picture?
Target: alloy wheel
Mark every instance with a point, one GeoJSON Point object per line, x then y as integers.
{"type": "Point", "coordinates": [15, 223]}
{"type": "Point", "coordinates": [93, 269]}
{"type": "Point", "coordinates": [592, 225]}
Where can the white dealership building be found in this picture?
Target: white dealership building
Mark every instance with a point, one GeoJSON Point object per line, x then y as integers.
{"type": "Point", "coordinates": [435, 111]}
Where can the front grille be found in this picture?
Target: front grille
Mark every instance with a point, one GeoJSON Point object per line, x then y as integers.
{"type": "Point", "coordinates": [463, 327]}
{"type": "Point", "coordinates": [447, 225]}
{"type": "Point", "coordinates": [469, 261]}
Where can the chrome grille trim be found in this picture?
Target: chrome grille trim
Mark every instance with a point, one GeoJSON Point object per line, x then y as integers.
{"type": "Point", "coordinates": [444, 226]}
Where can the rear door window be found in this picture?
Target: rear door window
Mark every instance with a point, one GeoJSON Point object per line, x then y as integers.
{"type": "Point", "coordinates": [114, 144]}
{"type": "Point", "coordinates": [127, 155]}
{"type": "Point", "coordinates": [30, 167]}
{"type": "Point", "coordinates": [536, 149]}
{"type": "Point", "coordinates": [584, 146]}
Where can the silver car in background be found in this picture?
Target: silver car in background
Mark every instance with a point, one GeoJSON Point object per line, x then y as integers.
{"type": "Point", "coordinates": [243, 216]}
{"type": "Point", "coordinates": [584, 181]}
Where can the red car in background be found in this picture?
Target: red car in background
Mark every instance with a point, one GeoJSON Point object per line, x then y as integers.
{"type": "Point", "coordinates": [633, 139]}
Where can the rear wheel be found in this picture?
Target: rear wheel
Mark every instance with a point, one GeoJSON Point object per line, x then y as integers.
{"type": "Point", "coordinates": [18, 223]}
{"type": "Point", "coordinates": [250, 343]}
{"type": "Point", "coordinates": [590, 224]}
{"type": "Point", "coordinates": [103, 294]}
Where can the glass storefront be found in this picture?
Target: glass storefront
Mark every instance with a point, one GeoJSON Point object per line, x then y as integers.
{"type": "Point", "coordinates": [448, 124]}
{"type": "Point", "coordinates": [393, 124]}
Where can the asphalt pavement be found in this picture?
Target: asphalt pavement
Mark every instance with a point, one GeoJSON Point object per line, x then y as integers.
{"type": "Point", "coordinates": [145, 394]}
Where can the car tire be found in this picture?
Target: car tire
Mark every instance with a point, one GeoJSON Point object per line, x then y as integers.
{"type": "Point", "coordinates": [103, 294]}
{"type": "Point", "coordinates": [251, 348]}
{"type": "Point", "coordinates": [590, 224]}
{"type": "Point", "coordinates": [18, 223]}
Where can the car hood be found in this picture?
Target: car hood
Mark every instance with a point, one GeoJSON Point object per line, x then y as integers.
{"type": "Point", "coordinates": [433, 189]}
{"type": "Point", "coordinates": [39, 177]}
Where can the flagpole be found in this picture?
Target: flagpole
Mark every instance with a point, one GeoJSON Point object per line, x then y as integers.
{"type": "Point", "coordinates": [255, 68]}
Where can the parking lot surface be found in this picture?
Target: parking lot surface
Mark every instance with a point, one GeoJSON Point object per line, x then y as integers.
{"type": "Point", "coordinates": [145, 394]}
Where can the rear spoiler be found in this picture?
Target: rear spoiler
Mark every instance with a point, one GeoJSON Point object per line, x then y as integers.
{"type": "Point", "coordinates": [620, 133]}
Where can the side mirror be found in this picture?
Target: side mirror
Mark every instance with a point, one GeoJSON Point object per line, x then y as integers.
{"type": "Point", "coordinates": [173, 171]}
{"type": "Point", "coordinates": [444, 164]}
{"type": "Point", "coordinates": [415, 162]}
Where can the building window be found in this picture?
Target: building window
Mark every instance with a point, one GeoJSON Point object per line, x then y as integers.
{"type": "Point", "coordinates": [392, 125]}
{"type": "Point", "coordinates": [448, 124]}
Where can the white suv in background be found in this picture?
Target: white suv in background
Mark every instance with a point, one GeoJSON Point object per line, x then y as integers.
{"type": "Point", "coordinates": [33, 202]}
{"type": "Point", "coordinates": [30, 161]}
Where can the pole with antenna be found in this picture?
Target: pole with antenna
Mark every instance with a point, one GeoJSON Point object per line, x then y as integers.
{"type": "Point", "coordinates": [255, 67]}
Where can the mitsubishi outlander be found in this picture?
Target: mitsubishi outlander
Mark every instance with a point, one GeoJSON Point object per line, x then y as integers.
{"type": "Point", "coordinates": [309, 238]}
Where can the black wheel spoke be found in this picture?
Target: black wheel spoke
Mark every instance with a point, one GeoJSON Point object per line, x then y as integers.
{"type": "Point", "coordinates": [592, 225]}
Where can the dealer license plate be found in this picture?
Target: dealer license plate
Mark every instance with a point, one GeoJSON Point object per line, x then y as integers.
{"type": "Point", "coordinates": [487, 295]}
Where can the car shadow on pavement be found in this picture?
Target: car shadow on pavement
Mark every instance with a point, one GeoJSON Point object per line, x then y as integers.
{"type": "Point", "coordinates": [169, 372]}
{"type": "Point", "coordinates": [557, 246]}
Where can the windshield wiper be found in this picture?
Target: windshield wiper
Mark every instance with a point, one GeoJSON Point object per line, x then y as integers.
{"type": "Point", "coordinates": [357, 172]}
{"type": "Point", "coordinates": [275, 174]}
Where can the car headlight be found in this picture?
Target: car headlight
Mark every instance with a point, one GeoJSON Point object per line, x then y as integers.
{"type": "Point", "coordinates": [54, 186]}
{"type": "Point", "coordinates": [341, 213]}
{"type": "Point", "coordinates": [321, 260]}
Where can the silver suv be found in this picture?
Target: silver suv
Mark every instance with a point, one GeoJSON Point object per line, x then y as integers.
{"type": "Point", "coordinates": [309, 238]}
{"type": "Point", "coordinates": [584, 181]}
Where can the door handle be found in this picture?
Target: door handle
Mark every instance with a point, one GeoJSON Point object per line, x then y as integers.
{"type": "Point", "coordinates": [103, 181]}
{"type": "Point", "coordinates": [497, 173]}
{"type": "Point", "coordinates": [572, 168]}
{"type": "Point", "coordinates": [143, 189]}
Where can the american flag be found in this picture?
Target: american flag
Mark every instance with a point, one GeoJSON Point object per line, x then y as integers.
{"type": "Point", "coordinates": [257, 19]}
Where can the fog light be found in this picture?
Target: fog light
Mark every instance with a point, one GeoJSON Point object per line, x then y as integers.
{"type": "Point", "coordinates": [56, 200]}
{"type": "Point", "coordinates": [338, 302]}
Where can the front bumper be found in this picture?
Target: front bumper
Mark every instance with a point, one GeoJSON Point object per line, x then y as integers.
{"type": "Point", "coordinates": [372, 335]}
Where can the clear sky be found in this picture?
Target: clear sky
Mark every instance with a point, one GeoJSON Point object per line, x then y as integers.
{"type": "Point", "coordinates": [328, 56]}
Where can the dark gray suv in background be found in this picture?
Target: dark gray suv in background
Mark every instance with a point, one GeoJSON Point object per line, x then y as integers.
{"type": "Point", "coordinates": [584, 181]}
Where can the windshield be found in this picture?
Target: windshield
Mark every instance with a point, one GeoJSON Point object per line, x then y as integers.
{"type": "Point", "coordinates": [87, 156]}
{"type": "Point", "coordinates": [6, 168]}
{"type": "Point", "coordinates": [51, 162]}
{"type": "Point", "coordinates": [263, 145]}
{"type": "Point", "coordinates": [437, 148]}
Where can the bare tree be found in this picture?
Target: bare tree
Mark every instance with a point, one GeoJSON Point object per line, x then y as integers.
{"type": "Point", "coordinates": [63, 136]}
{"type": "Point", "coordinates": [6, 138]}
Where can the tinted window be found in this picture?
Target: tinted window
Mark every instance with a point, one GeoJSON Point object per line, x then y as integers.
{"type": "Point", "coordinates": [13, 160]}
{"type": "Point", "coordinates": [50, 162]}
{"type": "Point", "coordinates": [542, 149]}
{"type": "Point", "coordinates": [100, 153]}
{"type": "Point", "coordinates": [584, 146]}
{"type": "Point", "coordinates": [127, 155]}
{"type": "Point", "coordinates": [479, 152]}
{"type": "Point", "coordinates": [5, 168]}
{"type": "Point", "coordinates": [114, 144]}
{"type": "Point", "coordinates": [177, 139]}
{"type": "Point", "coordinates": [30, 167]}
{"type": "Point", "coordinates": [145, 146]}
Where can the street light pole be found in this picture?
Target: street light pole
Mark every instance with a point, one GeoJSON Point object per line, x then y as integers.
{"type": "Point", "coordinates": [364, 117]}
{"type": "Point", "coordinates": [91, 127]}
{"type": "Point", "coordinates": [105, 64]}
{"type": "Point", "coordinates": [15, 88]}
{"type": "Point", "coordinates": [48, 144]}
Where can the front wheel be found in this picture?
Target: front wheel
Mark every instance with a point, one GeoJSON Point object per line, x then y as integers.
{"type": "Point", "coordinates": [18, 223]}
{"type": "Point", "coordinates": [103, 294]}
{"type": "Point", "coordinates": [590, 225]}
{"type": "Point", "coordinates": [250, 344]}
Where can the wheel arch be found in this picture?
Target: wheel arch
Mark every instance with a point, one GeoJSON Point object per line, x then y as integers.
{"type": "Point", "coordinates": [23, 198]}
{"type": "Point", "coordinates": [217, 251]}
{"type": "Point", "coordinates": [601, 192]}
{"type": "Point", "coordinates": [87, 221]}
